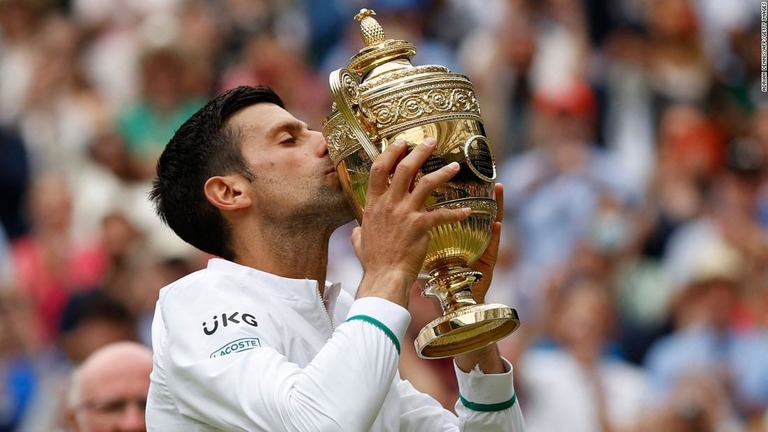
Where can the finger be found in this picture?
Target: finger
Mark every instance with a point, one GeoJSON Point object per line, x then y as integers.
{"type": "Point", "coordinates": [491, 254]}
{"type": "Point", "coordinates": [407, 168]}
{"type": "Point", "coordinates": [382, 166]}
{"type": "Point", "coordinates": [427, 184]}
{"type": "Point", "coordinates": [442, 216]}
{"type": "Point", "coordinates": [498, 190]}
{"type": "Point", "coordinates": [357, 235]}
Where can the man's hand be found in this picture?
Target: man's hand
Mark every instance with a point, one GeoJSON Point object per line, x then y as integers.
{"type": "Point", "coordinates": [487, 262]}
{"type": "Point", "coordinates": [488, 358]}
{"type": "Point", "coordinates": [393, 238]}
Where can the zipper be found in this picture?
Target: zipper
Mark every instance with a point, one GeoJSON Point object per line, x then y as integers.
{"type": "Point", "coordinates": [325, 310]}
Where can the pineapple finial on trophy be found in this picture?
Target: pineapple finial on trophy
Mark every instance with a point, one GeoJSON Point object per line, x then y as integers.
{"type": "Point", "coordinates": [372, 32]}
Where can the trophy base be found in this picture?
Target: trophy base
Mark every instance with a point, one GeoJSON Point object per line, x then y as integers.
{"type": "Point", "coordinates": [466, 329]}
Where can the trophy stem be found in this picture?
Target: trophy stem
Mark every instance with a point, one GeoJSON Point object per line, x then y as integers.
{"type": "Point", "coordinates": [465, 325]}
{"type": "Point", "coordinates": [452, 287]}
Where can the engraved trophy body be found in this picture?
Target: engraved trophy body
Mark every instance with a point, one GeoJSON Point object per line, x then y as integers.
{"type": "Point", "coordinates": [380, 97]}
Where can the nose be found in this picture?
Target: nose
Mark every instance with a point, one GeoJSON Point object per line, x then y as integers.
{"type": "Point", "coordinates": [322, 144]}
{"type": "Point", "coordinates": [132, 420]}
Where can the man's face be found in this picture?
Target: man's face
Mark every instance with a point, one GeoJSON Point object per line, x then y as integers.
{"type": "Point", "coordinates": [295, 180]}
{"type": "Point", "coordinates": [113, 398]}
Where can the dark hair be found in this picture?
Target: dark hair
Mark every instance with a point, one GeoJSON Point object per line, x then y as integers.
{"type": "Point", "coordinates": [94, 306]}
{"type": "Point", "coordinates": [204, 147]}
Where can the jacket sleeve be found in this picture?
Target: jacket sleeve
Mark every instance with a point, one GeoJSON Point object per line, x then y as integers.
{"type": "Point", "coordinates": [341, 389]}
{"type": "Point", "coordinates": [486, 403]}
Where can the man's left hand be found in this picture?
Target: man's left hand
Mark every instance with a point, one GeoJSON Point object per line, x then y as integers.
{"type": "Point", "coordinates": [486, 263]}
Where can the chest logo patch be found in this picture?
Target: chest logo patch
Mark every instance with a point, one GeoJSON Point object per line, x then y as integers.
{"type": "Point", "coordinates": [236, 346]}
{"type": "Point", "coordinates": [227, 319]}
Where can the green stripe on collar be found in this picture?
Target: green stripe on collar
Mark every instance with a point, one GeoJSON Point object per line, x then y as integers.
{"type": "Point", "coordinates": [488, 407]}
{"type": "Point", "coordinates": [380, 325]}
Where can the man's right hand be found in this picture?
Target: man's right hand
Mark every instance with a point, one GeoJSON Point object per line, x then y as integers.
{"type": "Point", "coordinates": [392, 241]}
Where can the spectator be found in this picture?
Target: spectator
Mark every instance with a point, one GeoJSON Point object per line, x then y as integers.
{"type": "Point", "coordinates": [707, 344]}
{"type": "Point", "coordinates": [555, 188]}
{"type": "Point", "coordinates": [148, 124]}
{"type": "Point", "coordinates": [90, 321]}
{"type": "Point", "coordinates": [576, 374]}
{"type": "Point", "coordinates": [109, 390]}
{"type": "Point", "coordinates": [19, 380]}
{"type": "Point", "coordinates": [50, 263]}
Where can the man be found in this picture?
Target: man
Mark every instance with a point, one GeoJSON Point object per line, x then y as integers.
{"type": "Point", "coordinates": [259, 341]}
{"type": "Point", "coordinates": [109, 390]}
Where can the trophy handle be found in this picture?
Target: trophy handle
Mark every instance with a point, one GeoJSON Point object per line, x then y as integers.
{"type": "Point", "coordinates": [345, 94]}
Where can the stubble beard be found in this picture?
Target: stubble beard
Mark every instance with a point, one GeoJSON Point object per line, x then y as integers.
{"type": "Point", "coordinates": [336, 209]}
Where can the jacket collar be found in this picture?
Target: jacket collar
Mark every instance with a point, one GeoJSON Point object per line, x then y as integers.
{"type": "Point", "coordinates": [291, 290]}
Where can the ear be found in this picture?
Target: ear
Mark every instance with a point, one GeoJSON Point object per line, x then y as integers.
{"type": "Point", "coordinates": [228, 192]}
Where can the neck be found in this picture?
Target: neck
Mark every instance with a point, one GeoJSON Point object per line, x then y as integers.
{"type": "Point", "coordinates": [288, 250]}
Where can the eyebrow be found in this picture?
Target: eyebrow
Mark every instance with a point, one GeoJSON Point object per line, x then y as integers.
{"type": "Point", "coordinates": [291, 126]}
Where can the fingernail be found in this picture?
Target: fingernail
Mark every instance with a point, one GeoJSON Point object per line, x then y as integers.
{"type": "Point", "coordinates": [430, 142]}
{"type": "Point", "coordinates": [453, 166]}
{"type": "Point", "coordinates": [398, 143]}
{"type": "Point", "coordinates": [467, 210]}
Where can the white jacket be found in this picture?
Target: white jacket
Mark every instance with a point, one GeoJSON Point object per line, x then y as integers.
{"type": "Point", "coordinates": [237, 349]}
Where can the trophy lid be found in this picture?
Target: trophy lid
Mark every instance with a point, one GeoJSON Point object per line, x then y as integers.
{"type": "Point", "coordinates": [378, 50]}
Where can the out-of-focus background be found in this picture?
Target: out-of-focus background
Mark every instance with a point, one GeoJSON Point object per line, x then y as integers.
{"type": "Point", "coordinates": [631, 137]}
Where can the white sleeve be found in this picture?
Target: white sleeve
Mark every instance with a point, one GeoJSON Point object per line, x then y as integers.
{"type": "Point", "coordinates": [486, 403]}
{"type": "Point", "coordinates": [341, 389]}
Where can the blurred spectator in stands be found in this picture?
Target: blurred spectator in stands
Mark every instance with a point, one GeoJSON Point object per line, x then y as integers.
{"type": "Point", "coordinates": [499, 61]}
{"type": "Point", "coordinates": [267, 60]}
{"type": "Point", "coordinates": [109, 390]}
{"type": "Point", "coordinates": [62, 111]}
{"type": "Point", "coordinates": [722, 24]}
{"type": "Point", "coordinates": [758, 130]}
{"type": "Point", "coordinates": [401, 20]}
{"type": "Point", "coordinates": [50, 264]}
{"type": "Point", "coordinates": [7, 271]}
{"type": "Point", "coordinates": [690, 152]}
{"type": "Point", "coordinates": [91, 320]}
{"type": "Point", "coordinates": [707, 343]}
{"type": "Point", "coordinates": [698, 402]}
{"type": "Point", "coordinates": [18, 24]}
{"type": "Point", "coordinates": [15, 177]}
{"type": "Point", "coordinates": [201, 39]}
{"type": "Point", "coordinates": [152, 272]}
{"type": "Point", "coordinates": [679, 68]}
{"type": "Point", "coordinates": [112, 182]}
{"type": "Point", "coordinates": [533, 47]}
{"type": "Point", "coordinates": [554, 189]}
{"type": "Point", "coordinates": [563, 49]}
{"type": "Point", "coordinates": [18, 377]}
{"type": "Point", "coordinates": [629, 122]}
{"type": "Point", "coordinates": [124, 244]}
{"type": "Point", "coordinates": [731, 214]}
{"type": "Point", "coordinates": [576, 373]}
{"type": "Point", "coordinates": [147, 125]}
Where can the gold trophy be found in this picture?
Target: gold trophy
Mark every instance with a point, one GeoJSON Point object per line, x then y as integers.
{"type": "Point", "coordinates": [380, 97]}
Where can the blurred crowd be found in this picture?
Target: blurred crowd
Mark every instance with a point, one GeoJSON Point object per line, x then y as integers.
{"type": "Point", "coordinates": [631, 137]}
